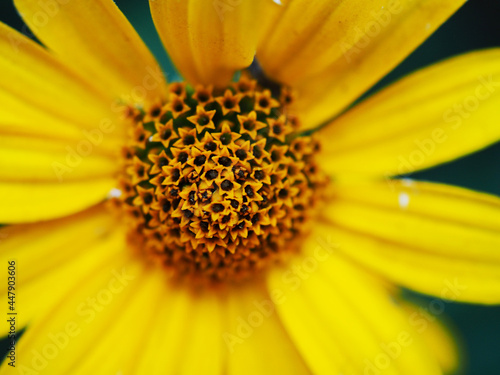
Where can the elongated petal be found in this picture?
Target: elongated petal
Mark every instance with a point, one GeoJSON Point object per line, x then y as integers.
{"type": "Point", "coordinates": [168, 337]}
{"type": "Point", "coordinates": [256, 340]}
{"type": "Point", "coordinates": [204, 340]}
{"type": "Point", "coordinates": [189, 325]}
{"type": "Point", "coordinates": [57, 341]}
{"type": "Point", "coordinates": [41, 96]}
{"type": "Point", "coordinates": [322, 289]}
{"type": "Point", "coordinates": [433, 116]}
{"type": "Point", "coordinates": [30, 159]}
{"type": "Point", "coordinates": [63, 249]}
{"type": "Point", "coordinates": [322, 352]}
{"type": "Point", "coordinates": [434, 239]}
{"type": "Point", "coordinates": [96, 38]}
{"type": "Point", "coordinates": [146, 289]}
{"type": "Point", "coordinates": [29, 202]}
{"type": "Point", "coordinates": [50, 237]}
{"type": "Point", "coordinates": [332, 52]}
{"type": "Point", "coordinates": [438, 336]}
{"type": "Point", "coordinates": [209, 41]}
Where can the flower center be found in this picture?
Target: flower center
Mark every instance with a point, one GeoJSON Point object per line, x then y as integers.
{"type": "Point", "coordinates": [218, 185]}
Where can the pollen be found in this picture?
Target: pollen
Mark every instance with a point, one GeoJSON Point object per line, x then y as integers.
{"type": "Point", "coordinates": [218, 184]}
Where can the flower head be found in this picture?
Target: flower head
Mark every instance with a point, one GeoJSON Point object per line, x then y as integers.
{"type": "Point", "coordinates": [254, 225]}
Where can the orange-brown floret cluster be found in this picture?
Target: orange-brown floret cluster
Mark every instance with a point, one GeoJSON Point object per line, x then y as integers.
{"type": "Point", "coordinates": [216, 184]}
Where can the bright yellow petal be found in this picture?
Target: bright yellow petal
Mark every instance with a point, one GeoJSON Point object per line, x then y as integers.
{"type": "Point", "coordinates": [189, 325]}
{"type": "Point", "coordinates": [64, 334]}
{"type": "Point", "coordinates": [437, 335]}
{"type": "Point", "coordinates": [168, 337]}
{"type": "Point", "coordinates": [96, 39]}
{"type": "Point", "coordinates": [29, 202]}
{"type": "Point", "coordinates": [323, 352]}
{"type": "Point", "coordinates": [51, 236]}
{"type": "Point", "coordinates": [41, 252]}
{"type": "Point", "coordinates": [335, 295]}
{"type": "Point", "coordinates": [28, 124]}
{"type": "Point", "coordinates": [332, 52]}
{"type": "Point", "coordinates": [204, 338]}
{"type": "Point", "coordinates": [255, 339]}
{"type": "Point", "coordinates": [432, 238]}
{"type": "Point", "coordinates": [433, 116]}
{"type": "Point", "coordinates": [117, 351]}
{"type": "Point", "coordinates": [41, 96]}
{"type": "Point", "coordinates": [32, 159]}
{"type": "Point", "coordinates": [209, 41]}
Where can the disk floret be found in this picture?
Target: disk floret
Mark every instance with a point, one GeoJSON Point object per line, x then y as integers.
{"type": "Point", "coordinates": [218, 183]}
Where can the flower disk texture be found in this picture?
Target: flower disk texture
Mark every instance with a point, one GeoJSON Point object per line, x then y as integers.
{"type": "Point", "coordinates": [217, 184]}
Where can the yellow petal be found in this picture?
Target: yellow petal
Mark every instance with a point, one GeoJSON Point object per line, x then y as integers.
{"type": "Point", "coordinates": [322, 351]}
{"type": "Point", "coordinates": [12, 123]}
{"type": "Point", "coordinates": [323, 288]}
{"type": "Point", "coordinates": [189, 326]}
{"type": "Point", "coordinates": [204, 338]}
{"type": "Point", "coordinates": [96, 39]}
{"type": "Point", "coordinates": [209, 41]}
{"type": "Point", "coordinates": [92, 242]}
{"type": "Point", "coordinates": [255, 339]}
{"type": "Point", "coordinates": [144, 295]}
{"type": "Point", "coordinates": [168, 337]}
{"type": "Point", "coordinates": [434, 239]}
{"type": "Point", "coordinates": [32, 159]}
{"type": "Point", "coordinates": [64, 334]}
{"type": "Point", "coordinates": [51, 236]}
{"type": "Point", "coordinates": [433, 116]}
{"type": "Point", "coordinates": [332, 52]}
{"type": "Point", "coordinates": [437, 335]}
{"type": "Point", "coordinates": [43, 97]}
{"type": "Point", "coordinates": [29, 202]}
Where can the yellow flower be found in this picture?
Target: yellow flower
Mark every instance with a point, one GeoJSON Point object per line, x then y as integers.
{"type": "Point", "coordinates": [199, 228]}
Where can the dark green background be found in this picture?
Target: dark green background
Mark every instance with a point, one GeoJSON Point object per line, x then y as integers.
{"type": "Point", "coordinates": [475, 26]}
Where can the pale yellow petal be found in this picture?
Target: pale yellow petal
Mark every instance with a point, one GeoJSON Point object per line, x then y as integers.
{"type": "Point", "coordinates": [432, 116]}
{"type": "Point", "coordinates": [29, 202]}
{"type": "Point", "coordinates": [255, 339]}
{"type": "Point", "coordinates": [209, 41]}
{"type": "Point", "coordinates": [332, 52]}
{"type": "Point", "coordinates": [432, 238]}
{"type": "Point", "coordinates": [96, 39]}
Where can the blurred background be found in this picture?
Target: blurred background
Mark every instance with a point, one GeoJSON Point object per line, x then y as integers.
{"type": "Point", "coordinates": [475, 26]}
